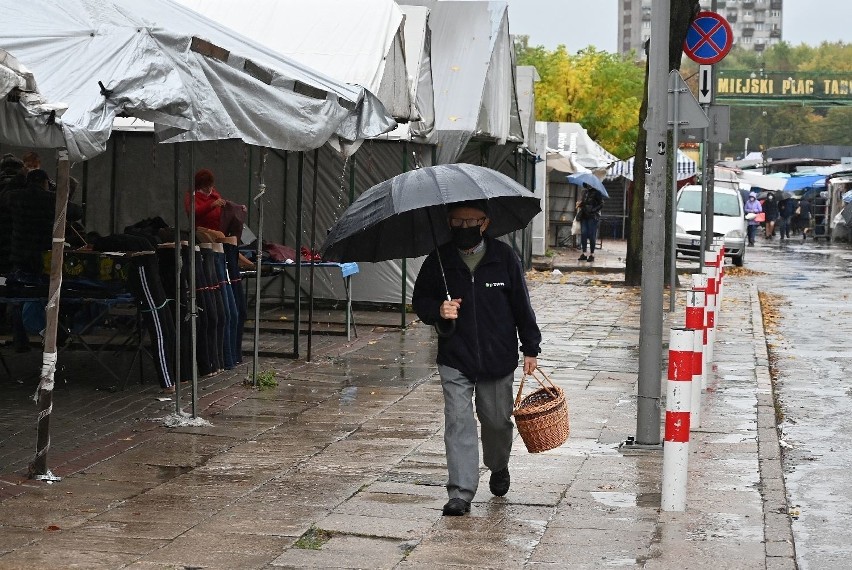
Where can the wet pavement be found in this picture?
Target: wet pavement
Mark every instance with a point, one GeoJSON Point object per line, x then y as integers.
{"type": "Point", "coordinates": [342, 465]}
{"type": "Point", "coordinates": [807, 288]}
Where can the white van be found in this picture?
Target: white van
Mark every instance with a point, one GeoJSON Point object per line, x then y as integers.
{"type": "Point", "coordinates": [728, 222]}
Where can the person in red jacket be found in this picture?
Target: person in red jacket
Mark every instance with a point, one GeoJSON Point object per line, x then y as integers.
{"type": "Point", "coordinates": [208, 202]}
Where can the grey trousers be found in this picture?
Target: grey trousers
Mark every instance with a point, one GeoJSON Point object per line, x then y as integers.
{"type": "Point", "coordinates": [494, 409]}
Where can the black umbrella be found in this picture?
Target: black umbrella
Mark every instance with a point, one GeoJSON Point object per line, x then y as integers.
{"type": "Point", "coordinates": [779, 194]}
{"type": "Point", "coordinates": [406, 216]}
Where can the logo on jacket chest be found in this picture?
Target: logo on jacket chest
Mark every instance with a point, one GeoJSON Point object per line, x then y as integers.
{"type": "Point", "coordinates": [495, 284]}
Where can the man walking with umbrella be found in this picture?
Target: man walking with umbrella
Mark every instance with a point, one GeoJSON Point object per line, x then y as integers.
{"type": "Point", "coordinates": [473, 290]}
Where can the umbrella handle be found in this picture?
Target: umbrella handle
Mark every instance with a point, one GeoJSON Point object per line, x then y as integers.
{"type": "Point", "coordinates": [450, 329]}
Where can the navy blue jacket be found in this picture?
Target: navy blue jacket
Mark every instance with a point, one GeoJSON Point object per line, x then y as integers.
{"type": "Point", "coordinates": [495, 310]}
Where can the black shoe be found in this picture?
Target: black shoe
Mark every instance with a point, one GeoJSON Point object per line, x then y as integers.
{"type": "Point", "coordinates": [456, 507]}
{"type": "Point", "coordinates": [499, 482]}
{"type": "Point", "coordinates": [591, 258]}
{"type": "Point", "coordinates": [582, 257]}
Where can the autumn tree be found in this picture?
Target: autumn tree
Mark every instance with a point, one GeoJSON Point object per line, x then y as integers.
{"type": "Point", "coordinates": [601, 91]}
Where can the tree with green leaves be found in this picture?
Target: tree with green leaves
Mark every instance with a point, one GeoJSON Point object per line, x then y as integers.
{"type": "Point", "coordinates": [599, 90]}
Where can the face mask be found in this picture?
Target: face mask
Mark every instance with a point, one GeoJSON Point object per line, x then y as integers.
{"type": "Point", "coordinates": [466, 238]}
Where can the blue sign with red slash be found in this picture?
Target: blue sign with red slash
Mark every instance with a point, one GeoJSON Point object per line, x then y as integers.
{"type": "Point", "coordinates": [709, 38]}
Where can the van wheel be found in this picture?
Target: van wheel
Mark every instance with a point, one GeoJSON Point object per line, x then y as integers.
{"type": "Point", "coordinates": [738, 260]}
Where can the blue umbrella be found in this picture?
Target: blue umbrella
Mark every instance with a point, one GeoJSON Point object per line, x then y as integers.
{"type": "Point", "coordinates": [586, 179]}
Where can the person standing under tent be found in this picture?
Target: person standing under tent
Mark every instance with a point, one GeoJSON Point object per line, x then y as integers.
{"type": "Point", "coordinates": [477, 347]}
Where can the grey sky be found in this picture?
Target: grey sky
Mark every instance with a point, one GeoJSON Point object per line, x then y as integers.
{"type": "Point", "coordinates": [580, 23]}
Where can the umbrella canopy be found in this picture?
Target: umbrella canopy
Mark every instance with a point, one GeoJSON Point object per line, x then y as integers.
{"type": "Point", "coordinates": [158, 61]}
{"type": "Point", "coordinates": [406, 215]}
{"type": "Point", "coordinates": [588, 179]}
{"type": "Point", "coordinates": [779, 194]}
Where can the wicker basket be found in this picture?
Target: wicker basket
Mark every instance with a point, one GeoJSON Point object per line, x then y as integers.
{"type": "Point", "coordinates": [542, 417]}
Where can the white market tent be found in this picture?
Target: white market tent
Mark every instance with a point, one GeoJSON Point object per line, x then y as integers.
{"type": "Point", "coordinates": [473, 74]}
{"type": "Point", "coordinates": [570, 149]}
{"type": "Point", "coordinates": [160, 62]}
{"type": "Point", "coordinates": [526, 78]}
{"type": "Point", "coordinates": [375, 43]}
{"type": "Point", "coordinates": [418, 63]}
{"type": "Point", "coordinates": [357, 42]}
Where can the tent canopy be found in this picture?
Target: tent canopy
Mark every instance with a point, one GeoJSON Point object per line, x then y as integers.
{"type": "Point", "coordinates": [472, 73]}
{"type": "Point", "coordinates": [686, 168]}
{"type": "Point", "coordinates": [158, 61]}
{"type": "Point", "coordinates": [418, 62]}
{"type": "Point", "coordinates": [570, 149]}
{"type": "Point", "coordinates": [359, 43]}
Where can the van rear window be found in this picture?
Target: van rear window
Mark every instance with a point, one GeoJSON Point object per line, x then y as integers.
{"type": "Point", "coordinates": [723, 204]}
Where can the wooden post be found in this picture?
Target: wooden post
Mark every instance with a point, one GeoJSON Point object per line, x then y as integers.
{"type": "Point", "coordinates": [38, 468]}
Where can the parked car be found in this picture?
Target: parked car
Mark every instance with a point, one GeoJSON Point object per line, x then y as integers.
{"type": "Point", "coordinates": [728, 222]}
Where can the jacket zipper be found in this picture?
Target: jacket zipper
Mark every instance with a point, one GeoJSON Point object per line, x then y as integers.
{"type": "Point", "coordinates": [475, 324]}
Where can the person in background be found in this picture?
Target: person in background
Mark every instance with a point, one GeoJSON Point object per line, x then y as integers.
{"type": "Point", "coordinates": [208, 209]}
{"type": "Point", "coordinates": [32, 161]}
{"type": "Point", "coordinates": [786, 209]}
{"type": "Point", "coordinates": [589, 212]}
{"type": "Point", "coordinates": [208, 201]}
{"type": "Point", "coordinates": [803, 218]}
{"type": "Point", "coordinates": [770, 209]}
{"type": "Point", "coordinates": [12, 177]}
{"type": "Point", "coordinates": [752, 206]}
{"type": "Point", "coordinates": [477, 347]}
{"type": "Point", "coordinates": [32, 209]}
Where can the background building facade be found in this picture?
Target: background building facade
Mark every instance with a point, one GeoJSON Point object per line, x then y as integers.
{"type": "Point", "coordinates": [756, 23]}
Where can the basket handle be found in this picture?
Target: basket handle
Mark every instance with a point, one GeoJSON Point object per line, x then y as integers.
{"type": "Point", "coordinates": [543, 385]}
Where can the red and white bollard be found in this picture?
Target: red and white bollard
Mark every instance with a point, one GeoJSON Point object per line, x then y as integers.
{"type": "Point", "coordinates": [695, 321]}
{"type": "Point", "coordinates": [699, 283]}
{"type": "Point", "coordinates": [678, 401]}
{"type": "Point", "coordinates": [711, 306]}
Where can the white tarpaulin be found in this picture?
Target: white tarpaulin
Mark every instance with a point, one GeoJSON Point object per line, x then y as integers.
{"type": "Point", "coordinates": [418, 62]}
{"type": "Point", "coordinates": [158, 61]}
{"type": "Point", "coordinates": [527, 76]}
{"type": "Point", "coordinates": [570, 149]}
{"type": "Point", "coordinates": [686, 168]}
{"type": "Point", "coordinates": [472, 72]}
{"type": "Point", "coordinates": [354, 41]}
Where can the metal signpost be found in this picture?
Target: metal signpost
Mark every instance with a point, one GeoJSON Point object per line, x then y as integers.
{"type": "Point", "coordinates": [707, 42]}
{"type": "Point", "coordinates": [683, 112]}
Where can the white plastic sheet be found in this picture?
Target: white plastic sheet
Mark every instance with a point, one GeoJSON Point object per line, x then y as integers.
{"type": "Point", "coordinates": [158, 61]}
{"type": "Point", "coordinates": [354, 41]}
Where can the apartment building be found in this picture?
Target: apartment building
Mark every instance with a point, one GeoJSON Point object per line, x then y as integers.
{"type": "Point", "coordinates": [756, 23]}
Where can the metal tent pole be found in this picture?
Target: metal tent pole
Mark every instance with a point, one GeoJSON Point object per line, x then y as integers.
{"type": "Point", "coordinates": [313, 246]}
{"type": "Point", "coordinates": [193, 301]}
{"type": "Point", "coordinates": [177, 261]}
{"type": "Point", "coordinates": [297, 294]}
{"type": "Point", "coordinates": [404, 268]}
{"type": "Point", "coordinates": [261, 190]}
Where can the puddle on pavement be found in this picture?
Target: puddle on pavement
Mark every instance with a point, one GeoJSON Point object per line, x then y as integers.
{"type": "Point", "coordinates": [621, 500]}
